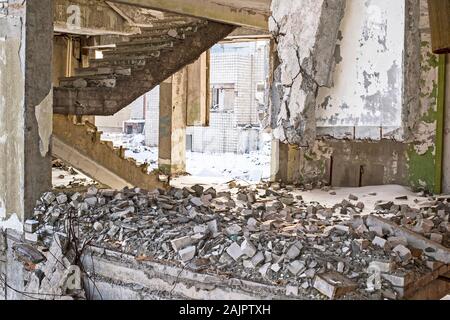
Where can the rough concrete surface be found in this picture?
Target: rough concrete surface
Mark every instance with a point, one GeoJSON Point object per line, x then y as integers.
{"type": "Point", "coordinates": [306, 33]}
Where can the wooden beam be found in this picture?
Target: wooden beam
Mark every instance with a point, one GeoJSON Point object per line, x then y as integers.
{"type": "Point", "coordinates": [246, 13]}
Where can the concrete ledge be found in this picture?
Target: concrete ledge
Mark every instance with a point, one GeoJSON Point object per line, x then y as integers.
{"type": "Point", "coordinates": [121, 273]}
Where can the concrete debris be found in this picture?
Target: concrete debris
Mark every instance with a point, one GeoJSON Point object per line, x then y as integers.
{"type": "Point", "coordinates": [403, 252]}
{"type": "Point", "coordinates": [273, 236]}
{"type": "Point", "coordinates": [187, 254]}
{"type": "Point", "coordinates": [333, 285]}
{"type": "Point", "coordinates": [291, 290]}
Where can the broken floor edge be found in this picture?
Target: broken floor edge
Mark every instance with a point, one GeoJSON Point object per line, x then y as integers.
{"type": "Point", "coordinates": [156, 276]}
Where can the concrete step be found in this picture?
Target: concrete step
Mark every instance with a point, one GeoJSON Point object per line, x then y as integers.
{"type": "Point", "coordinates": [97, 81]}
{"type": "Point", "coordinates": [160, 28]}
{"type": "Point", "coordinates": [179, 32]}
{"type": "Point", "coordinates": [148, 41]}
{"type": "Point", "coordinates": [141, 49]}
{"type": "Point", "coordinates": [92, 71]}
{"type": "Point", "coordinates": [133, 62]}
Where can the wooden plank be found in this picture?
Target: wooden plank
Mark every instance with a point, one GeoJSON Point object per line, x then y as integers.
{"type": "Point", "coordinates": [439, 12]}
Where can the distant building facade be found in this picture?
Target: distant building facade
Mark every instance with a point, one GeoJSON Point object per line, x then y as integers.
{"type": "Point", "coordinates": [238, 81]}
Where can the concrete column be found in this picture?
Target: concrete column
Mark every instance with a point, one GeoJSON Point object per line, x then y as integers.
{"type": "Point", "coordinates": [172, 124]}
{"type": "Point", "coordinates": [446, 155]}
{"type": "Point", "coordinates": [26, 103]}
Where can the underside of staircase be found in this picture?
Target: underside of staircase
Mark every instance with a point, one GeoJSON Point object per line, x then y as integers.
{"type": "Point", "coordinates": [136, 66]}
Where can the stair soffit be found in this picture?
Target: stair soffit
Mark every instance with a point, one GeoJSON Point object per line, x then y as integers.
{"type": "Point", "coordinates": [244, 13]}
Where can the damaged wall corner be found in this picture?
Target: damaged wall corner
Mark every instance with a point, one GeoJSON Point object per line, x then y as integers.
{"type": "Point", "coordinates": [393, 140]}
{"type": "Point", "coordinates": [305, 33]}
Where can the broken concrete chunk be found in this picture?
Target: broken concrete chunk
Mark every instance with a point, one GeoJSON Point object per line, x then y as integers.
{"type": "Point", "coordinates": [424, 226]}
{"type": "Point", "coordinates": [203, 228]}
{"type": "Point", "coordinates": [380, 242]}
{"type": "Point", "coordinates": [48, 197]}
{"type": "Point", "coordinates": [31, 226]}
{"type": "Point", "coordinates": [181, 243]}
{"type": "Point", "coordinates": [61, 198]}
{"type": "Point", "coordinates": [187, 253]}
{"type": "Point", "coordinates": [247, 264]}
{"type": "Point", "coordinates": [275, 267]}
{"type": "Point", "coordinates": [436, 237]}
{"type": "Point", "coordinates": [382, 266]}
{"type": "Point", "coordinates": [395, 241]}
{"type": "Point", "coordinates": [333, 285]}
{"type": "Point", "coordinates": [91, 202]}
{"type": "Point", "coordinates": [233, 230]}
{"type": "Point", "coordinates": [212, 227]}
{"type": "Point", "coordinates": [296, 266]}
{"type": "Point", "coordinates": [384, 206]}
{"type": "Point", "coordinates": [293, 252]}
{"type": "Point", "coordinates": [252, 224]}
{"type": "Point", "coordinates": [353, 197]}
{"type": "Point", "coordinates": [235, 252]}
{"type": "Point", "coordinates": [361, 229]}
{"type": "Point", "coordinates": [98, 226]}
{"type": "Point", "coordinates": [248, 248]}
{"type": "Point", "coordinates": [257, 259]}
{"type": "Point", "coordinates": [403, 252]}
{"type": "Point", "coordinates": [27, 253]}
{"type": "Point", "coordinates": [196, 201]}
{"type": "Point", "coordinates": [292, 290]}
{"type": "Point", "coordinates": [377, 229]}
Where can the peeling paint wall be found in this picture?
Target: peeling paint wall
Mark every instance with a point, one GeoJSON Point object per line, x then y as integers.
{"type": "Point", "coordinates": [365, 100]}
{"type": "Point", "coordinates": [402, 154]}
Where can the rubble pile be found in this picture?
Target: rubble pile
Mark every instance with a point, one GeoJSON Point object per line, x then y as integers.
{"type": "Point", "coordinates": [260, 233]}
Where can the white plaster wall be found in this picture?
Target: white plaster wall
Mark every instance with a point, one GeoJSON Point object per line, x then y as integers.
{"type": "Point", "coordinates": [365, 99]}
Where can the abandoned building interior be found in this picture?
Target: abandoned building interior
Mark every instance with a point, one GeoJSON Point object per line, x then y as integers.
{"type": "Point", "coordinates": [224, 149]}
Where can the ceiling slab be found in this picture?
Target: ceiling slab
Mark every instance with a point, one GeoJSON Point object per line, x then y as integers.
{"type": "Point", "coordinates": [246, 13]}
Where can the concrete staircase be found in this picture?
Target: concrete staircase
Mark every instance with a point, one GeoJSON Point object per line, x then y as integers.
{"type": "Point", "coordinates": [81, 146]}
{"type": "Point", "coordinates": [136, 66]}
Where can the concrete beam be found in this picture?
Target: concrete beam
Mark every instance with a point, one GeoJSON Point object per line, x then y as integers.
{"type": "Point", "coordinates": [26, 104]}
{"type": "Point", "coordinates": [89, 17]}
{"type": "Point", "coordinates": [247, 13]}
{"type": "Point", "coordinates": [172, 124]}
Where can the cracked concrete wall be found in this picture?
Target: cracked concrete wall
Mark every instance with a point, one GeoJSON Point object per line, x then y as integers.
{"type": "Point", "coordinates": [365, 99]}
{"type": "Point", "coordinates": [306, 32]}
{"type": "Point", "coordinates": [26, 31]}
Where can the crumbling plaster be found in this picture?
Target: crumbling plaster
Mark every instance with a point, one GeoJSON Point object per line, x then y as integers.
{"type": "Point", "coordinates": [306, 32]}
{"type": "Point", "coordinates": [410, 161]}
